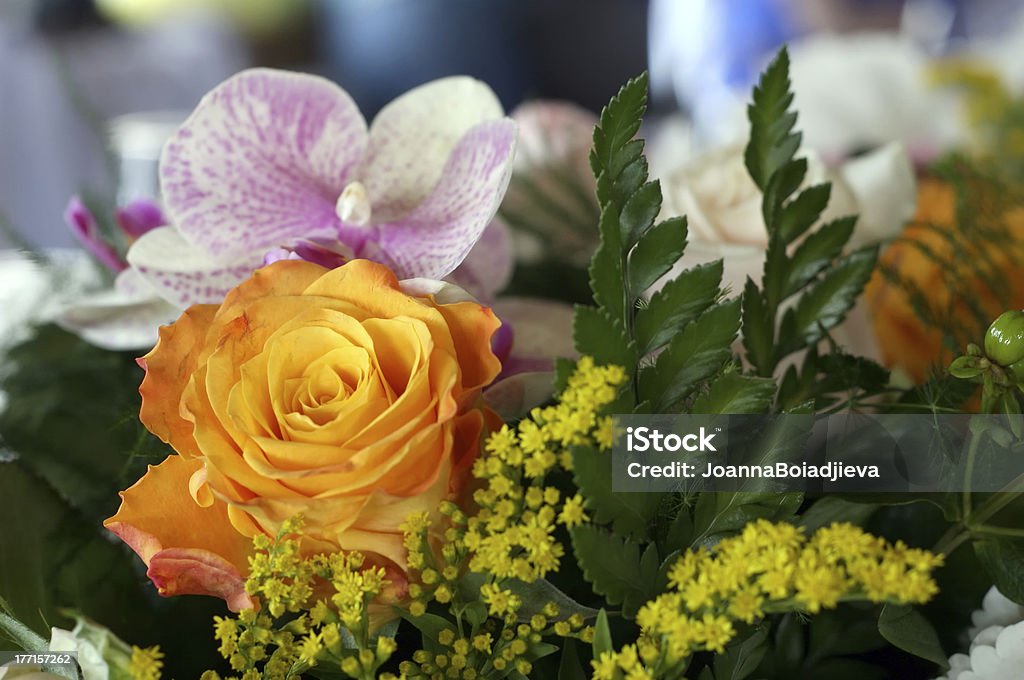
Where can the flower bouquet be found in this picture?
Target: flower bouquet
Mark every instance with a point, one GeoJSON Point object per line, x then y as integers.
{"type": "Point", "coordinates": [369, 449]}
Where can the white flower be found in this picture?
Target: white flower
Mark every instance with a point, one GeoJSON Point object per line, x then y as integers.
{"type": "Point", "coordinates": [90, 656]}
{"type": "Point", "coordinates": [997, 647]}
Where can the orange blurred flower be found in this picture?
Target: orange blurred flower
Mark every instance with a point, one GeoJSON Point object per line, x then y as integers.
{"type": "Point", "coordinates": [939, 285]}
{"type": "Point", "coordinates": [340, 395]}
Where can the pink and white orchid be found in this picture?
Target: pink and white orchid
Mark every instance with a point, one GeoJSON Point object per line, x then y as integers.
{"type": "Point", "coordinates": [276, 164]}
{"type": "Point", "coordinates": [271, 158]}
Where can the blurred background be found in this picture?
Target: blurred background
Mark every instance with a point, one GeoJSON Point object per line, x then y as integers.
{"type": "Point", "coordinates": [90, 89]}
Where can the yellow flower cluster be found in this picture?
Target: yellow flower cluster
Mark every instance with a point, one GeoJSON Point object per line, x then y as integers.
{"type": "Point", "coordinates": [490, 633]}
{"type": "Point", "coordinates": [145, 664]}
{"type": "Point", "coordinates": [768, 568]}
{"type": "Point", "coordinates": [512, 535]}
{"type": "Point", "coordinates": [316, 632]}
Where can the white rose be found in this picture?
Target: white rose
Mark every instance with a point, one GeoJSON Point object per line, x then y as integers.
{"type": "Point", "coordinates": [723, 209]}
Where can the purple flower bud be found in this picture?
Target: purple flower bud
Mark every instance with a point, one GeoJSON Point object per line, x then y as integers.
{"type": "Point", "coordinates": [83, 225]}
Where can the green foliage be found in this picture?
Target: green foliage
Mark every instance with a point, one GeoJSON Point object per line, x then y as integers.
{"type": "Point", "coordinates": [1003, 559]}
{"type": "Point", "coordinates": [813, 280]}
{"type": "Point", "coordinates": [615, 567]}
{"type": "Point", "coordinates": [630, 514]}
{"type": "Point", "coordinates": [742, 657]}
{"type": "Point", "coordinates": [907, 629]}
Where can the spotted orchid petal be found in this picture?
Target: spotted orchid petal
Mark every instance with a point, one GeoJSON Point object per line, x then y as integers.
{"type": "Point", "coordinates": [262, 161]}
{"type": "Point", "coordinates": [183, 274]}
{"type": "Point", "coordinates": [125, 317]}
{"type": "Point", "coordinates": [437, 235]}
{"type": "Point", "coordinates": [431, 119]}
{"type": "Point", "coordinates": [487, 268]}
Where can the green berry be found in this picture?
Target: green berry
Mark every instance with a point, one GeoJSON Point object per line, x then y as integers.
{"type": "Point", "coordinates": [1004, 341]}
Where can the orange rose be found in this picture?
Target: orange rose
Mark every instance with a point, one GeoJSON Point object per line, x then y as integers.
{"type": "Point", "coordinates": [965, 281]}
{"type": "Point", "coordinates": [331, 394]}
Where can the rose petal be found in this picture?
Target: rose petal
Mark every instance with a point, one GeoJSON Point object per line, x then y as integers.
{"type": "Point", "coordinates": [168, 368]}
{"type": "Point", "coordinates": [189, 549]}
{"type": "Point", "coordinates": [884, 192]}
{"type": "Point", "coordinates": [116, 320]}
{"type": "Point", "coordinates": [262, 160]}
{"type": "Point", "coordinates": [431, 119]}
{"type": "Point", "coordinates": [436, 236]}
{"type": "Point", "coordinates": [183, 274]}
{"type": "Point", "coordinates": [488, 266]}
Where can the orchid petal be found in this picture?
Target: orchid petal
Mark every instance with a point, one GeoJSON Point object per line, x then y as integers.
{"type": "Point", "coordinates": [436, 236]}
{"type": "Point", "coordinates": [543, 332]}
{"type": "Point", "coordinates": [125, 317]}
{"type": "Point", "coordinates": [431, 119]}
{"type": "Point", "coordinates": [85, 228]}
{"type": "Point", "coordinates": [262, 160]}
{"type": "Point", "coordinates": [181, 273]}
{"type": "Point", "coordinates": [443, 292]}
{"type": "Point", "coordinates": [139, 216]}
{"type": "Point", "coordinates": [513, 397]}
{"type": "Point", "coordinates": [488, 267]}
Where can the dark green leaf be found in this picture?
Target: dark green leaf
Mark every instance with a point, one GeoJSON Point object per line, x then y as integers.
{"type": "Point", "coordinates": [771, 143]}
{"type": "Point", "coordinates": [742, 658]}
{"type": "Point", "coordinates": [692, 356]}
{"type": "Point", "coordinates": [676, 304]}
{"type": "Point", "coordinates": [724, 513]}
{"type": "Point", "coordinates": [597, 334]}
{"type": "Point", "coordinates": [639, 212]}
{"type": "Point", "coordinates": [570, 667]}
{"type": "Point", "coordinates": [680, 531]}
{"type": "Point", "coordinates": [736, 393]}
{"type": "Point", "coordinates": [606, 279]}
{"type": "Point", "coordinates": [1003, 559]}
{"type": "Point", "coordinates": [630, 514]}
{"type": "Point", "coordinates": [758, 331]}
{"type": "Point", "coordinates": [816, 252]}
{"type": "Point", "coordinates": [537, 594]}
{"type": "Point", "coordinates": [655, 253]}
{"type": "Point", "coordinates": [612, 565]}
{"type": "Point", "coordinates": [803, 212]}
{"type": "Point", "coordinates": [781, 186]}
{"type": "Point", "coordinates": [826, 303]}
{"type": "Point", "coordinates": [830, 509]}
{"type": "Point", "coordinates": [906, 628]}
{"type": "Point", "coordinates": [602, 636]}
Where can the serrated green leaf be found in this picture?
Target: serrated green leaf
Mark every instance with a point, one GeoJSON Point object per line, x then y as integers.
{"type": "Point", "coordinates": [606, 279]}
{"type": "Point", "coordinates": [616, 158]}
{"type": "Point", "coordinates": [826, 303]}
{"type": "Point", "coordinates": [655, 253]}
{"type": "Point", "coordinates": [817, 252]}
{"type": "Point", "coordinates": [906, 628]}
{"type": "Point", "coordinates": [1003, 559]}
{"type": "Point", "coordinates": [803, 212]}
{"type": "Point", "coordinates": [602, 636]}
{"type": "Point", "coordinates": [736, 393]}
{"type": "Point", "coordinates": [724, 513]}
{"type": "Point", "coordinates": [691, 356]}
{"type": "Point", "coordinates": [677, 304]}
{"type": "Point", "coordinates": [680, 531]}
{"type": "Point", "coordinates": [639, 212]}
{"type": "Point", "coordinates": [629, 513]}
{"type": "Point", "coordinates": [535, 595]}
{"type": "Point", "coordinates": [563, 370]}
{"type": "Point", "coordinates": [597, 334]}
{"type": "Point", "coordinates": [831, 509]}
{"type": "Point", "coordinates": [771, 143]}
{"type": "Point", "coordinates": [781, 185]}
{"type": "Point", "coordinates": [612, 565]}
{"type": "Point", "coordinates": [758, 332]}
